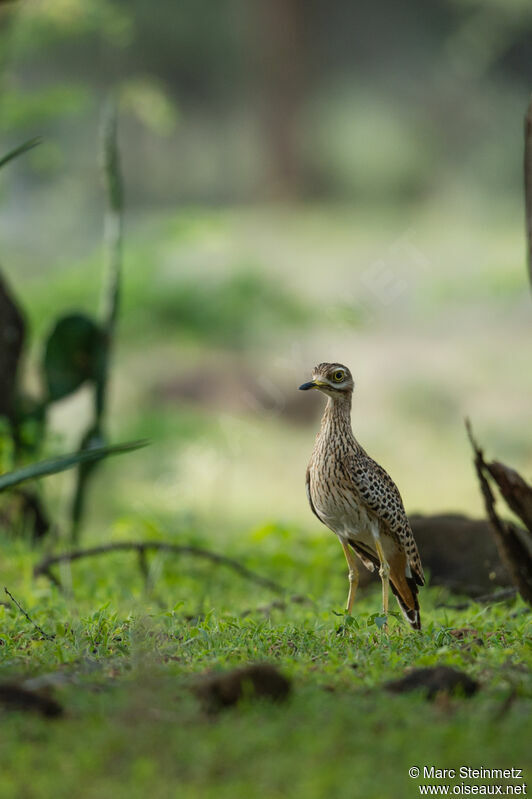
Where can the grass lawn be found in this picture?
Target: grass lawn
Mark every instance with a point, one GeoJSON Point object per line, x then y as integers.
{"type": "Point", "coordinates": [126, 653]}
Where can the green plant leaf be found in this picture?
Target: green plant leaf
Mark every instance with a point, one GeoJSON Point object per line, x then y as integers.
{"type": "Point", "coordinates": [64, 462]}
{"type": "Point", "coordinates": [73, 354]}
{"type": "Point", "coordinates": [22, 148]}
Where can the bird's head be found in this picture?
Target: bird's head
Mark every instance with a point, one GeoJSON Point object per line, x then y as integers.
{"type": "Point", "coordinates": [332, 379]}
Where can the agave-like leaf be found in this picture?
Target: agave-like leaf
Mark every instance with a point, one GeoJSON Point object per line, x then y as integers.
{"type": "Point", "coordinates": [64, 462]}
{"type": "Point", "coordinates": [22, 148]}
{"type": "Point", "coordinates": [73, 353]}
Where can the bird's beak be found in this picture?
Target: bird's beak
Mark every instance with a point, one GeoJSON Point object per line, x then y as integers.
{"type": "Point", "coordinates": [307, 386]}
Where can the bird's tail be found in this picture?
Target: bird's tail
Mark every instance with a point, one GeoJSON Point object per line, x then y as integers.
{"type": "Point", "coordinates": [405, 591]}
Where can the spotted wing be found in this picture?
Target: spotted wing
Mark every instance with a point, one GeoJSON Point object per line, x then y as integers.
{"type": "Point", "coordinates": [379, 492]}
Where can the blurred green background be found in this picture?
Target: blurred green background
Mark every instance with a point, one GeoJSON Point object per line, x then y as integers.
{"type": "Point", "coordinates": [305, 181]}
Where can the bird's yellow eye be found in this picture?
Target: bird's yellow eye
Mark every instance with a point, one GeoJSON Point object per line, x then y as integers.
{"type": "Point", "coordinates": [338, 376]}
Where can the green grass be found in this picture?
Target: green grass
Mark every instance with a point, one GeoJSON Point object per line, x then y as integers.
{"type": "Point", "coordinates": [125, 655]}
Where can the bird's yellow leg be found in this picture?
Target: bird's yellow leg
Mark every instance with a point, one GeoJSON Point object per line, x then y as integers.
{"type": "Point", "coordinates": [353, 575]}
{"type": "Point", "coordinates": [384, 573]}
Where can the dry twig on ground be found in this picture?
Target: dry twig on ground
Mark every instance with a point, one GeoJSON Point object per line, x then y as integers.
{"type": "Point", "coordinates": [24, 613]}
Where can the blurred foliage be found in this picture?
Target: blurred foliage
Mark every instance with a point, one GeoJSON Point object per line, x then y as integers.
{"type": "Point", "coordinates": [30, 108]}
{"type": "Point", "coordinates": [76, 352]}
{"type": "Point", "coordinates": [229, 311]}
{"type": "Point", "coordinates": [148, 101]}
{"type": "Point", "coordinates": [43, 24]}
{"type": "Point", "coordinates": [240, 306]}
{"type": "Point", "coordinates": [386, 104]}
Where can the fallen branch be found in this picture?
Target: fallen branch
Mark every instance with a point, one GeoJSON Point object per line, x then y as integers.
{"type": "Point", "coordinates": [516, 492]}
{"type": "Point", "coordinates": [141, 547]}
{"type": "Point", "coordinates": [37, 627]}
{"type": "Point", "coordinates": [514, 543]}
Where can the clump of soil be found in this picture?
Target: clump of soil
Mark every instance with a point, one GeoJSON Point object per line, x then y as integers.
{"type": "Point", "coordinates": [16, 697]}
{"type": "Point", "coordinates": [435, 681]}
{"type": "Point", "coordinates": [260, 680]}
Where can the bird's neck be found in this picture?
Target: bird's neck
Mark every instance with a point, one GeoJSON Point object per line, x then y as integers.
{"type": "Point", "coordinates": [336, 420]}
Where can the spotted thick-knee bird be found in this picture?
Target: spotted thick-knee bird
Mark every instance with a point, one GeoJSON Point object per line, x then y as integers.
{"type": "Point", "coordinates": [357, 499]}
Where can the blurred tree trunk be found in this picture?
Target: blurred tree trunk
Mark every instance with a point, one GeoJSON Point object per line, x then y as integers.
{"type": "Point", "coordinates": [7, 13]}
{"type": "Point", "coordinates": [282, 63]}
{"type": "Point", "coordinates": [528, 186]}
